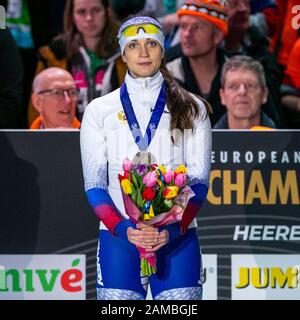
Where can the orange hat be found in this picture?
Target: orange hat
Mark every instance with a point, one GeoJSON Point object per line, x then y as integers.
{"type": "Point", "coordinates": [211, 10]}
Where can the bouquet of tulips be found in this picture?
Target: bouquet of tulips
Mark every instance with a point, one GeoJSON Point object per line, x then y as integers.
{"type": "Point", "coordinates": [155, 195]}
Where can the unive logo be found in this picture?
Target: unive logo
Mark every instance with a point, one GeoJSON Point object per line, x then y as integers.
{"type": "Point", "coordinates": [2, 17]}
{"type": "Point", "coordinates": [38, 277]}
{"type": "Point", "coordinates": [265, 277]}
{"type": "Point", "coordinates": [296, 18]}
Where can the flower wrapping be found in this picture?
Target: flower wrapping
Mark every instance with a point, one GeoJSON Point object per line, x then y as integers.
{"type": "Point", "coordinates": [155, 196]}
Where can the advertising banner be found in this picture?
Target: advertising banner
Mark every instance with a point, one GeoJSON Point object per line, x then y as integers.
{"type": "Point", "coordinates": [265, 277]}
{"type": "Point", "coordinates": [252, 208]}
{"type": "Point", "coordinates": [42, 277]}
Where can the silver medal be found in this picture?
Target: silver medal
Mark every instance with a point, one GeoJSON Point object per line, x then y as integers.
{"type": "Point", "coordinates": [144, 157]}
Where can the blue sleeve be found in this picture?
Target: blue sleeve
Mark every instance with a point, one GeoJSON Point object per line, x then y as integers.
{"type": "Point", "coordinates": [121, 228]}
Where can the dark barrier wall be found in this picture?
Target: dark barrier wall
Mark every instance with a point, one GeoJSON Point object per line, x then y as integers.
{"type": "Point", "coordinates": [253, 206]}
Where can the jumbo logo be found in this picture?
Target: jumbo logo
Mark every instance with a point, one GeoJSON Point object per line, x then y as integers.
{"type": "Point", "coordinates": [265, 277]}
{"type": "Point", "coordinates": [262, 278]}
{"type": "Point", "coordinates": [37, 277]}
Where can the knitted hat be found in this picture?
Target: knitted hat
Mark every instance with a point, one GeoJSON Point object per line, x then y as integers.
{"type": "Point", "coordinates": [211, 10]}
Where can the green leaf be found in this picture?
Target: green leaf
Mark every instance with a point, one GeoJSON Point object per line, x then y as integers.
{"type": "Point", "coordinates": [139, 200]}
{"type": "Point", "coordinates": [135, 180]}
{"type": "Point", "coordinates": [134, 195]}
{"type": "Point", "coordinates": [75, 263]}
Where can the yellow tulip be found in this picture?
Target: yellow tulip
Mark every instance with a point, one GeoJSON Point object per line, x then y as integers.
{"type": "Point", "coordinates": [170, 192]}
{"type": "Point", "coordinates": [162, 169]}
{"type": "Point", "coordinates": [126, 186]}
{"type": "Point", "coordinates": [181, 169]}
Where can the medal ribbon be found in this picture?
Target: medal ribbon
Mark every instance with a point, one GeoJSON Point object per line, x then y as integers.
{"type": "Point", "coordinates": [143, 142]}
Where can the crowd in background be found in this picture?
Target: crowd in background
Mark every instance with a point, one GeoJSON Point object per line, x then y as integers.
{"type": "Point", "coordinates": [64, 53]}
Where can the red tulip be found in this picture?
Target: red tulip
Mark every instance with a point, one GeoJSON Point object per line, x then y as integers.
{"type": "Point", "coordinates": [148, 194]}
{"type": "Point", "coordinates": [127, 175]}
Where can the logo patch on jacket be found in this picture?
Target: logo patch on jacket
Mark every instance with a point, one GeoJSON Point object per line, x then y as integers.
{"type": "Point", "coordinates": [122, 117]}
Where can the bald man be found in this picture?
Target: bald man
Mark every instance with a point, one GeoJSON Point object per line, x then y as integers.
{"type": "Point", "coordinates": [55, 98]}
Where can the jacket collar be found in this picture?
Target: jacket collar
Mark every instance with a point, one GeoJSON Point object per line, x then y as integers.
{"type": "Point", "coordinates": [134, 85]}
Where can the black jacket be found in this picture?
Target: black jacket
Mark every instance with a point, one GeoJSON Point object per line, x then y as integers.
{"type": "Point", "coordinates": [265, 121]}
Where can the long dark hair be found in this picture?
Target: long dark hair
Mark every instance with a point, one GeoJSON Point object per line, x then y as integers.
{"type": "Point", "coordinates": [107, 45]}
{"type": "Point", "coordinates": [183, 107]}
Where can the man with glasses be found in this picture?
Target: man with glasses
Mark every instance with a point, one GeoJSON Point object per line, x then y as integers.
{"type": "Point", "coordinates": [243, 93]}
{"type": "Point", "coordinates": [55, 98]}
{"type": "Point", "coordinates": [246, 39]}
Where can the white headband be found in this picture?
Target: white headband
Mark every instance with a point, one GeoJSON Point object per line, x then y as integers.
{"type": "Point", "coordinates": [123, 40]}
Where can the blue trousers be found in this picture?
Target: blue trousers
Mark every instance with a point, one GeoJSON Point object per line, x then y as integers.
{"type": "Point", "coordinates": [178, 269]}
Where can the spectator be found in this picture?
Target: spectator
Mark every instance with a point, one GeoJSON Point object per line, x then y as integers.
{"type": "Point", "coordinates": [264, 16]}
{"type": "Point", "coordinates": [10, 81]}
{"type": "Point", "coordinates": [55, 97]}
{"type": "Point", "coordinates": [243, 93]}
{"type": "Point", "coordinates": [198, 69]}
{"type": "Point", "coordinates": [247, 40]}
{"type": "Point", "coordinates": [88, 49]}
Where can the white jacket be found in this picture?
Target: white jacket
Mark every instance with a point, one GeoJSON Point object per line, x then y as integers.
{"type": "Point", "coordinates": [106, 138]}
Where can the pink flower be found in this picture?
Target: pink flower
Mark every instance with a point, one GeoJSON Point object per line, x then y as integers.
{"type": "Point", "coordinates": [150, 179]}
{"type": "Point", "coordinates": [169, 176]}
{"type": "Point", "coordinates": [180, 180]}
{"type": "Point", "coordinates": [127, 165]}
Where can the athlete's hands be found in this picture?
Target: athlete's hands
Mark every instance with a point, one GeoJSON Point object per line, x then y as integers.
{"type": "Point", "coordinates": [144, 236]}
{"type": "Point", "coordinates": [163, 239]}
{"type": "Point", "coordinates": [147, 237]}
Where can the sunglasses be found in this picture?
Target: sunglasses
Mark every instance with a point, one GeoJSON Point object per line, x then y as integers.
{"type": "Point", "coordinates": [132, 31]}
